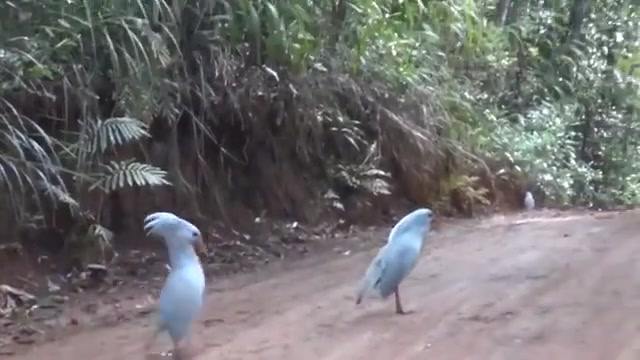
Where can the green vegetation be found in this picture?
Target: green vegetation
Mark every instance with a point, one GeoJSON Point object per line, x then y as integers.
{"type": "Point", "coordinates": [291, 106]}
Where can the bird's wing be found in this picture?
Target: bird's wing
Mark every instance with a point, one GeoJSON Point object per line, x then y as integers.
{"type": "Point", "coordinates": [392, 264]}
{"type": "Point", "coordinates": [397, 263]}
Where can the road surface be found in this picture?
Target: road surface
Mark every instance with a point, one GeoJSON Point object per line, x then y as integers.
{"type": "Point", "coordinates": [545, 287]}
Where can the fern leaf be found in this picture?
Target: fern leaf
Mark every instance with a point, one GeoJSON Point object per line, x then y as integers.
{"type": "Point", "coordinates": [118, 175]}
{"type": "Point", "coordinates": [118, 131]}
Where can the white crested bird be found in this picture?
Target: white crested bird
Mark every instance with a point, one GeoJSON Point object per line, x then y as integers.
{"type": "Point", "coordinates": [529, 202]}
{"type": "Point", "coordinates": [182, 295]}
{"type": "Point", "coordinates": [396, 258]}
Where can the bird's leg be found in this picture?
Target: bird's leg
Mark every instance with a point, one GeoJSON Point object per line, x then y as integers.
{"type": "Point", "coordinates": [180, 350]}
{"type": "Point", "coordinates": [152, 340]}
{"type": "Point", "coordinates": [399, 309]}
{"type": "Point", "coordinates": [178, 354]}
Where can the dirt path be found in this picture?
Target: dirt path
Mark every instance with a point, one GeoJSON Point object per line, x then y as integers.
{"type": "Point", "coordinates": [542, 288]}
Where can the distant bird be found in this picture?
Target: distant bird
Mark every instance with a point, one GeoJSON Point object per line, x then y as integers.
{"type": "Point", "coordinates": [529, 202]}
{"type": "Point", "coordinates": [182, 295]}
{"type": "Point", "coordinates": [397, 258]}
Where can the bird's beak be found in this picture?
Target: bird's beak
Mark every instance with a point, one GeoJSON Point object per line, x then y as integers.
{"type": "Point", "coordinates": [201, 247]}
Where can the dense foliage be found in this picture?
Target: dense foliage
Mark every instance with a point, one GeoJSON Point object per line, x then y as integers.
{"type": "Point", "coordinates": [276, 105]}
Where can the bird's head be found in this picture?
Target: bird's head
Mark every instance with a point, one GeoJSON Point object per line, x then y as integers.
{"type": "Point", "coordinates": [417, 221]}
{"type": "Point", "coordinates": [175, 231]}
{"type": "Point", "coordinates": [421, 217]}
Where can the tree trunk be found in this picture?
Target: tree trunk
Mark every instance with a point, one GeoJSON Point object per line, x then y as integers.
{"type": "Point", "coordinates": [578, 13]}
{"type": "Point", "coordinates": [502, 9]}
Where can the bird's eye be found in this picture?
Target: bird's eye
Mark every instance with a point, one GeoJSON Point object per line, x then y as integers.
{"type": "Point", "coordinates": [194, 234]}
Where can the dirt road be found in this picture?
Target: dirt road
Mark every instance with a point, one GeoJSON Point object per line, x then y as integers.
{"type": "Point", "coordinates": [542, 288]}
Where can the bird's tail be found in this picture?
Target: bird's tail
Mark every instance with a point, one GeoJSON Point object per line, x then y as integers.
{"type": "Point", "coordinates": [366, 287]}
{"type": "Point", "coordinates": [358, 299]}
{"type": "Point", "coordinates": [362, 291]}
{"type": "Point", "coordinates": [369, 281]}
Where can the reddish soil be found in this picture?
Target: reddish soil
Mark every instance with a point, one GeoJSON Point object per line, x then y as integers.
{"type": "Point", "coordinates": [548, 285]}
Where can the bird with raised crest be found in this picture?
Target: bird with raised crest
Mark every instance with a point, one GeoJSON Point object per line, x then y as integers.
{"type": "Point", "coordinates": [182, 295]}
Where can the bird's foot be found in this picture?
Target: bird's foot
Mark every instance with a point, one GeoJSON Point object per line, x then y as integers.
{"type": "Point", "coordinates": [164, 355]}
{"type": "Point", "coordinates": [404, 312]}
{"type": "Point", "coordinates": [182, 352]}
{"type": "Point", "coordinates": [154, 356]}
{"type": "Point", "coordinates": [148, 354]}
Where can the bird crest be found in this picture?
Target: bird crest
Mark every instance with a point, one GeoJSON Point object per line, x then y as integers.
{"type": "Point", "coordinates": [174, 230]}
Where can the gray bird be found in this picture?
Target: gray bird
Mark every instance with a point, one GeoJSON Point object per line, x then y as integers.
{"type": "Point", "coordinates": [182, 295]}
{"type": "Point", "coordinates": [529, 202]}
{"type": "Point", "coordinates": [397, 258]}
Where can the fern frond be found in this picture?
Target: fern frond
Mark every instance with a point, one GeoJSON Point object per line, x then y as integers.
{"type": "Point", "coordinates": [106, 134]}
{"type": "Point", "coordinates": [377, 186]}
{"type": "Point", "coordinates": [118, 175]}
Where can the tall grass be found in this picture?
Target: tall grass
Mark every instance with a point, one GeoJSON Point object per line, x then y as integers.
{"type": "Point", "coordinates": [272, 105]}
